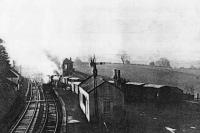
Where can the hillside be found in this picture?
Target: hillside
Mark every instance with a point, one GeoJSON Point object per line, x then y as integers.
{"type": "Point", "coordinates": [7, 97]}
{"type": "Point", "coordinates": [11, 103]}
{"type": "Point", "coordinates": [148, 74]}
{"type": "Point", "coordinates": [190, 71]}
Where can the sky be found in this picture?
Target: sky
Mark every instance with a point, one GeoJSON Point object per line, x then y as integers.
{"type": "Point", "coordinates": [145, 29]}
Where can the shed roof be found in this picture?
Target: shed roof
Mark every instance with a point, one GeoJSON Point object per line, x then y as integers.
{"type": "Point", "coordinates": [80, 75]}
{"type": "Point", "coordinates": [11, 83]}
{"type": "Point", "coordinates": [74, 78]}
{"type": "Point", "coordinates": [77, 83]}
{"type": "Point", "coordinates": [88, 84]}
{"type": "Point", "coordinates": [134, 83]}
{"type": "Point", "coordinates": [154, 85]}
{"type": "Point", "coordinates": [66, 77]}
{"type": "Point", "coordinates": [15, 71]}
{"type": "Point", "coordinates": [77, 74]}
{"type": "Point", "coordinates": [11, 74]}
{"type": "Point", "coordinates": [4, 80]}
{"type": "Point", "coordinates": [111, 81]}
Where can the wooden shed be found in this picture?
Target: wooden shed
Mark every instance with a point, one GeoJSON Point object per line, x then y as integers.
{"type": "Point", "coordinates": [98, 98]}
{"type": "Point", "coordinates": [74, 82]}
{"type": "Point", "coordinates": [162, 93]}
{"type": "Point", "coordinates": [133, 92]}
{"type": "Point", "coordinates": [14, 77]}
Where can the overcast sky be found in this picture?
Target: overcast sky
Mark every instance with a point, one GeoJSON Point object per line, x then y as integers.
{"type": "Point", "coordinates": [146, 29]}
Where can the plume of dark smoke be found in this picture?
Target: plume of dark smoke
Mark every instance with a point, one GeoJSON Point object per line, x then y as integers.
{"type": "Point", "coordinates": [56, 72]}
{"type": "Point", "coordinates": [55, 60]}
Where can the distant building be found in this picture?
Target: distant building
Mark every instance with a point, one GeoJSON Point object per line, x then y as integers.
{"type": "Point", "coordinates": [99, 98]}
{"type": "Point", "coordinates": [14, 77]}
{"type": "Point", "coordinates": [71, 78]}
{"type": "Point", "coordinates": [8, 82]}
{"type": "Point", "coordinates": [67, 67]}
{"type": "Point", "coordinates": [69, 71]}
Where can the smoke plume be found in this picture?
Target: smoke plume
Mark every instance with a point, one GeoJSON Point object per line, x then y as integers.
{"type": "Point", "coordinates": [55, 60]}
{"type": "Point", "coordinates": [56, 72]}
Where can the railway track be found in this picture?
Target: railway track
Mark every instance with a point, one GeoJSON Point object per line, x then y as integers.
{"type": "Point", "coordinates": [41, 114]}
{"type": "Point", "coordinates": [24, 123]}
{"type": "Point", "coordinates": [50, 115]}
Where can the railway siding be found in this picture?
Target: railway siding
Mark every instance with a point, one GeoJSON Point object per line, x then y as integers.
{"type": "Point", "coordinates": [64, 123]}
{"type": "Point", "coordinates": [42, 113]}
{"type": "Point", "coordinates": [54, 111]}
{"type": "Point", "coordinates": [24, 124]}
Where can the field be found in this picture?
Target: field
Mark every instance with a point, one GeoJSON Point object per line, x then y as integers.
{"type": "Point", "coordinates": [151, 118]}
{"type": "Point", "coordinates": [184, 79]}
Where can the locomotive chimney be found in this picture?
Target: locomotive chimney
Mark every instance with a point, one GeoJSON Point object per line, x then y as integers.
{"type": "Point", "coordinates": [118, 75]}
{"type": "Point", "coordinates": [115, 74]}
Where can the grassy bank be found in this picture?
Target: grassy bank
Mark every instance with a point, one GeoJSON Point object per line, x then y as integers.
{"type": "Point", "coordinates": [13, 107]}
{"type": "Point", "coordinates": [147, 74]}
{"type": "Point", "coordinates": [13, 114]}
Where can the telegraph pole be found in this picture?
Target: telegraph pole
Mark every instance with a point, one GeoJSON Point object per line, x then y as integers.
{"type": "Point", "coordinates": [93, 65]}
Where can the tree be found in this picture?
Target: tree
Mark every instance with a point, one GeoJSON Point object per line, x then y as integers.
{"type": "Point", "coordinates": [127, 62]}
{"type": "Point", "coordinates": [192, 67]}
{"type": "Point", "coordinates": [77, 61]}
{"type": "Point", "coordinates": [125, 58]}
{"type": "Point", "coordinates": [163, 62]}
{"type": "Point", "coordinates": [4, 59]}
{"type": "Point", "coordinates": [152, 64]}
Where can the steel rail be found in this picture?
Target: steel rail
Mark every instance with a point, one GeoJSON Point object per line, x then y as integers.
{"type": "Point", "coordinates": [56, 116]}
{"type": "Point", "coordinates": [25, 112]}
{"type": "Point", "coordinates": [45, 127]}
{"type": "Point", "coordinates": [35, 111]}
{"type": "Point", "coordinates": [46, 113]}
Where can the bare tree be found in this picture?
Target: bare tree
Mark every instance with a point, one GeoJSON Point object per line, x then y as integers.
{"type": "Point", "coordinates": [192, 67]}
{"type": "Point", "coordinates": [125, 58]}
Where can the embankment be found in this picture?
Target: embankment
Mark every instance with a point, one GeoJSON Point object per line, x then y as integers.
{"type": "Point", "coordinates": [11, 104]}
